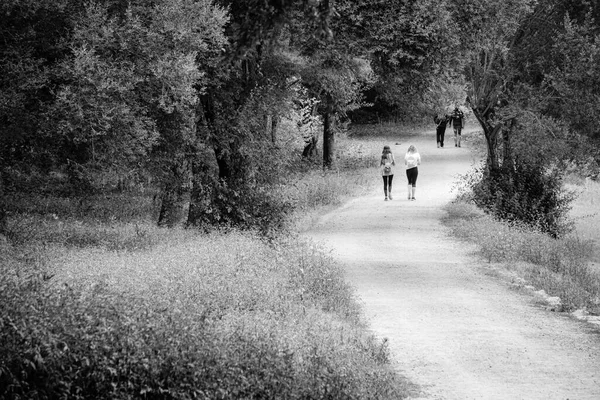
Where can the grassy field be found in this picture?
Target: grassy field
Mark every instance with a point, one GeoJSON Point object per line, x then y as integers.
{"type": "Point", "coordinates": [96, 301]}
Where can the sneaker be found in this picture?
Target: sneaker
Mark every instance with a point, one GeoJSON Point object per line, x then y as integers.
{"type": "Point", "coordinates": [386, 199]}
{"type": "Point", "coordinates": [413, 198]}
{"type": "Point", "coordinates": [391, 197]}
{"type": "Point", "coordinates": [459, 145]}
{"type": "Point", "coordinates": [455, 145]}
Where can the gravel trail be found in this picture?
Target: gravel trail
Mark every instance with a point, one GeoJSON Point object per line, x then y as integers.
{"type": "Point", "coordinates": [454, 328]}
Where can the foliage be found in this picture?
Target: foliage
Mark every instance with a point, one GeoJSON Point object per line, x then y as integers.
{"type": "Point", "coordinates": [409, 44]}
{"type": "Point", "coordinates": [32, 34]}
{"type": "Point", "coordinates": [488, 66]}
{"type": "Point", "coordinates": [131, 84]}
{"type": "Point", "coordinates": [526, 193]}
{"type": "Point", "coordinates": [441, 96]}
{"type": "Point", "coordinates": [228, 317]}
{"type": "Point", "coordinates": [120, 87]}
{"type": "Point", "coordinates": [555, 53]}
{"type": "Point", "coordinates": [242, 206]}
{"type": "Point", "coordinates": [575, 78]}
{"type": "Point", "coordinates": [337, 79]}
{"type": "Point", "coordinates": [258, 23]}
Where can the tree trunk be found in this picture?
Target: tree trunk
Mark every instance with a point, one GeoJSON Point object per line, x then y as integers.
{"type": "Point", "coordinates": [491, 137]}
{"type": "Point", "coordinates": [274, 125]}
{"type": "Point", "coordinates": [271, 123]}
{"type": "Point", "coordinates": [223, 162]}
{"type": "Point", "coordinates": [268, 125]}
{"type": "Point", "coordinates": [328, 141]}
{"type": "Point", "coordinates": [202, 190]}
{"type": "Point", "coordinates": [176, 196]}
{"type": "Point", "coordinates": [3, 211]}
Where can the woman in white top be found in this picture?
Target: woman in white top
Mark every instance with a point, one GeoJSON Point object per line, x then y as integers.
{"type": "Point", "coordinates": [412, 160]}
{"type": "Point", "coordinates": [386, 163]}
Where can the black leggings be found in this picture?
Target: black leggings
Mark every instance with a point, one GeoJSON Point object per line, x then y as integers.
{"type": "Point", "coordinates": [387, 182]}
{"type": "Point", "coordinates": [412, 174]}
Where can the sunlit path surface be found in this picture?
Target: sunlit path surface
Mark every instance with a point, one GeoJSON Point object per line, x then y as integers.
{"type": "Point", "coordinates": [457, 332]}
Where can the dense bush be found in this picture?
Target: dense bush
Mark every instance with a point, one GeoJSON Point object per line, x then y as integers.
{"type": "Point", "coordinates": [527, 193]}
{"type": "Point", "coordinates": [527, 185]}
{"type": "Point", "coordinates": [244, 206]}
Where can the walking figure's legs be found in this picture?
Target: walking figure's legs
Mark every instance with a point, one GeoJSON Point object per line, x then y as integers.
{"type": "Point", "coordinates": [385, 186]}
{"type": "Point", "coordinates": [457, 136]}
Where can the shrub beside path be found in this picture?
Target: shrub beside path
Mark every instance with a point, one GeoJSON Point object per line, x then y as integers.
{"type": "Point", "coordinates": [453, 328]}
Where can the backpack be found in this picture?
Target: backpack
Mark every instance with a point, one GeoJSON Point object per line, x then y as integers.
{"type": "Point", "coordinates": [387, 166]}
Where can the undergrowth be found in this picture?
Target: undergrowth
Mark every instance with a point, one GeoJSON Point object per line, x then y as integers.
{"type": "Point", "coordinates": [559, 266]}
{"type": "Point", "coordinates": [219, 316]}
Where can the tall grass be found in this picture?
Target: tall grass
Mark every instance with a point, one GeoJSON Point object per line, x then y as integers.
{"type": "Point", "coordinates": [196, 316]}
{"type": "Point", "coordinates": [559, 266]}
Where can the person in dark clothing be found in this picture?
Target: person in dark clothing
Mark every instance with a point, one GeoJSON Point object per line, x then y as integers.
{"type": "Point", "coordinates": [457, 119]}
{"type": "Point", "coordinates": [440, 130]}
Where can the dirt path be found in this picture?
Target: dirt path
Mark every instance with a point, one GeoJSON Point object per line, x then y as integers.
{"type": "Point", "coordinates": [453, 328]}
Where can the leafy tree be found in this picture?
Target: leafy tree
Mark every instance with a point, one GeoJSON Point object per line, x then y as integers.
{"type": "Point", "coordinates": [443, 92]}
{"type": "Point", "coordinates": [32, 34]}
{"type": "Point", "coordinates": [409, 45]}
{"type": "Point", "coordinates": [131, 88]}
{"type": "Point", "coordinates": [336, 79]}
{"type": "Point", "coordinates": [492, 28]}
{"type": "Point", "coordinates": [511, 92]}
{"type": "Point", "coordinates": [252, 86]}
{"type": "Point", "coordinates": [99, 113]}
{"type": "Point", "coordinates": [106, 84]}
{"type": "Point", "coordinates": [554, 61]}
{"type": "Point", "coordinates": [574, 79]}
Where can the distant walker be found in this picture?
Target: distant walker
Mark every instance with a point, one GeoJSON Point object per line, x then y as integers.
{"type": "Point", "coordinates": [457, 119]}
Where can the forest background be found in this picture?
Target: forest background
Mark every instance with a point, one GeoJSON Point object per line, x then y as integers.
{"type": "Point", "coordinates": [118, 118]}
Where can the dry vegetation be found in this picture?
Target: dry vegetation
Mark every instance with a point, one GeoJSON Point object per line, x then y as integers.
{"type": "Point", "coordinates": [565, 267]}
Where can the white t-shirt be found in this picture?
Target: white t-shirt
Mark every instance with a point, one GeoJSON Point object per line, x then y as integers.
{"type": "Point", "coordinates": [412, 160]}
